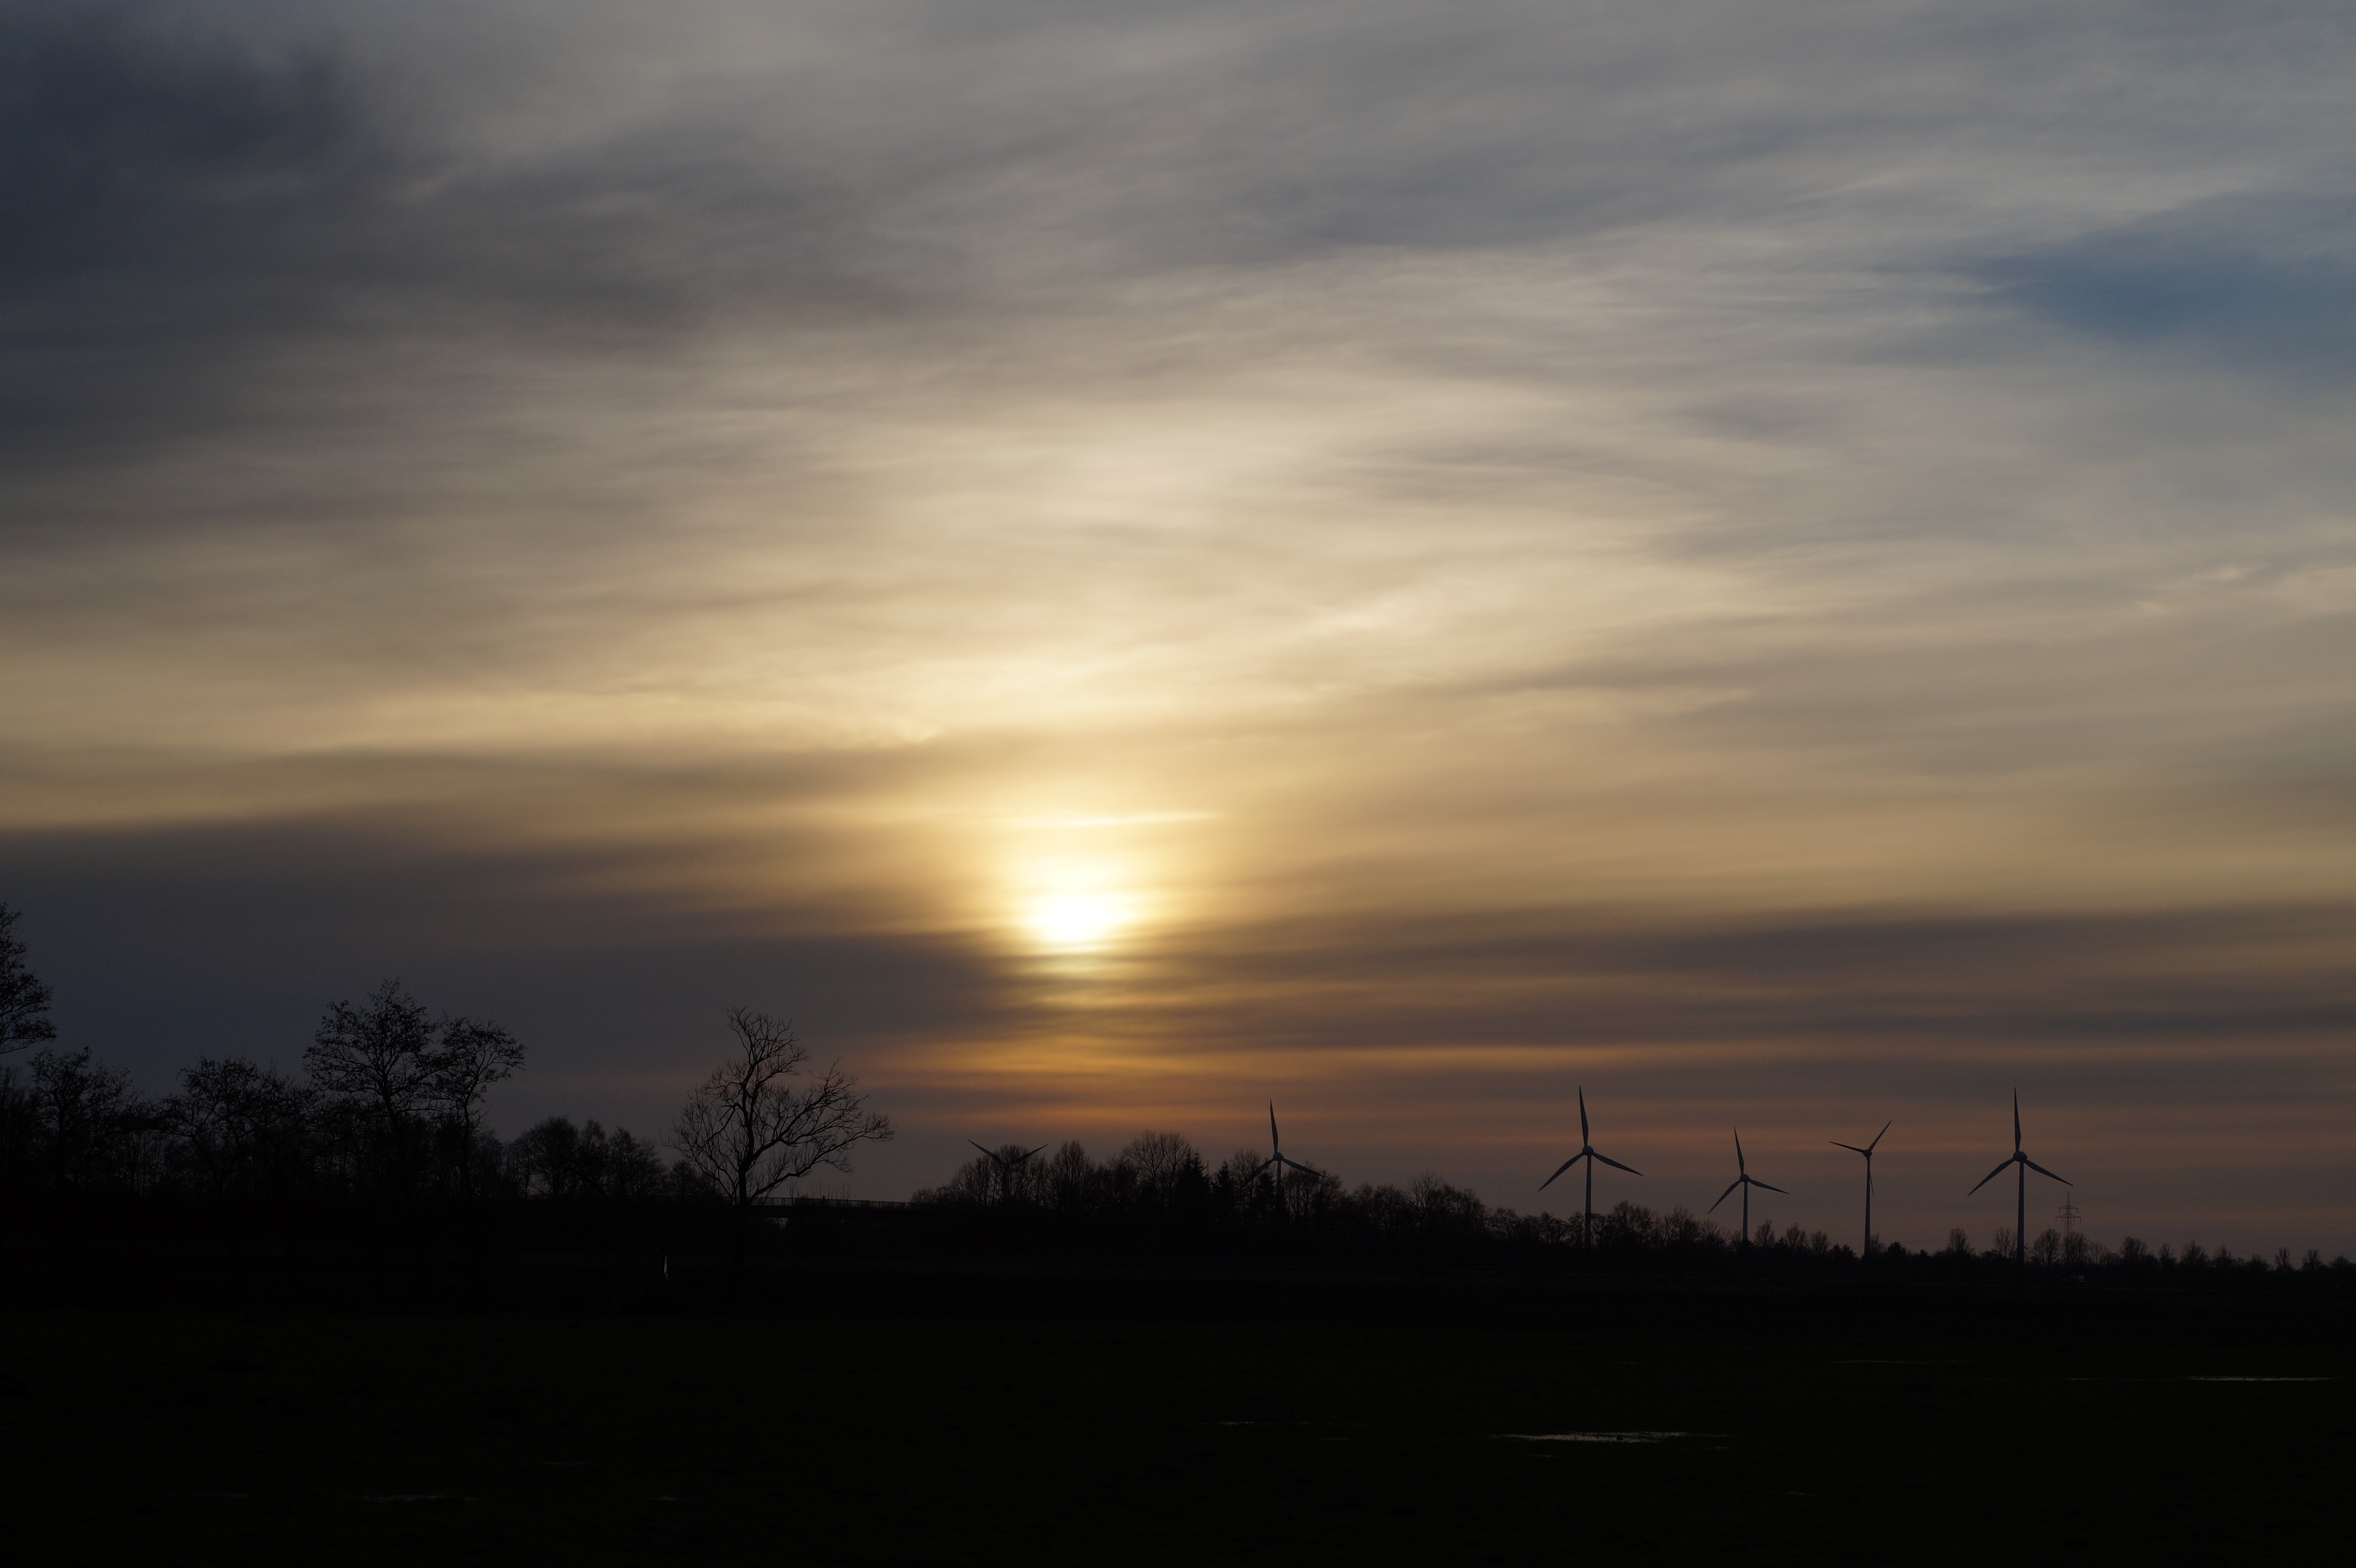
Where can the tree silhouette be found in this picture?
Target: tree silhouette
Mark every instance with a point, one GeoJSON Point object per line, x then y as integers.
{"type": "Point", "coordinates": [240, 1125]}
{"type": "Point", "coordinates": [460, 1070]}
{"type": "Point", "coordinates": [379, 1057]}
{"type": "Point", "coordinates": [750, 1129]}
{"type": "Point", "coordinates": [620, 1167]}
{"type": "Point", "coordinates": [24, 997]}
{"type": "Point", "coordinates": [1161, 1166]}
{"type": "Point", "coordinates": [96, 1133]}
{"type": "Point", "coordinates": [545, 1158]}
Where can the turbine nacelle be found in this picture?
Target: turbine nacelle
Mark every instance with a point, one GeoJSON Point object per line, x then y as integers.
{"type": "Point", "coordinates": [1742, 1181]}
{"type": "Point", "coordinates": [1007, 1164]}
{"type": "Point", "coordinates": [1586, 1150]}
{"type": "Point", "coordinates": [1867, 1149]}
{"type": "Point", "coordinates": [1278, 1159]}
{"type": "Point", "coordinates": [1865, 1245]}
{"type": "Point", "coordinates": [2025, 1165]}
{"type": "Point", "coordinates": [2017, 1158]}
{"type": "Point", "coordinates": [2021, 1159]}
{"type": "Point", "coordinates": [1005, 1161]}
{"type": "Point", "coordinates": [1592, 1156]}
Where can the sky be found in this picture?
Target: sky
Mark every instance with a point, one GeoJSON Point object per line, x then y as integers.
{"type": "Point", "coordinates": [1790, 563]}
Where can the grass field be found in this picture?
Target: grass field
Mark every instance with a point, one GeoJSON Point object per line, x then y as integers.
{"type": "Point", "coordinates": [968, 1417]}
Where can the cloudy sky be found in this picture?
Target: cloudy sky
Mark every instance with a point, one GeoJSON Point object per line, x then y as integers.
{"type": "Point", "coordinates": [1787, 563]}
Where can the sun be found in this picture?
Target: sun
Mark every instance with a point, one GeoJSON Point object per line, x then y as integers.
{"type": "Point", "coordinates": [1072, 921]}
{"type": "Point", "coordinates": [1076, 886]}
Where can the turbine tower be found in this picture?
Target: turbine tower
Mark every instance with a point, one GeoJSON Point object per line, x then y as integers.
{"type": "Point", "coordinates": [1745, 1181]}
{"type": "Point", "coordinates": [1866, 1251]}
{"type": "Point", "coordinates": [1586, 1152]}
{"type": "Point", "coordinates": [2020, 1221]}
{"type": "Point", "coordinates": [1006, 1163]}
{"type": "Point", "coordinates": [1279, 1159]}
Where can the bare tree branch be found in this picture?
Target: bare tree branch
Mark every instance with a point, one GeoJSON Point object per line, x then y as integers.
{"type": "Point", "coordinates": [380, 1056]}
{"type": "Point", "coordinates": [749, 1129]}
{"type": "Point", "coordinates": [24, 997]}
{"type": "Point", "coordinates": [460, 1071]}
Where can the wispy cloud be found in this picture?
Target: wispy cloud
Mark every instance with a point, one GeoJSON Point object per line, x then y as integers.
{"type": "Point", "coordinates": [1754, 540]}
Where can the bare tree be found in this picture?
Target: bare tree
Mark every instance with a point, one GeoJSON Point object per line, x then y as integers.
{"type": "Point", "coordinates": [619, 1166]}
{"type": "Point", "coordinates": [1070, 1179]}
{"type": "Point", "coordinates": [751, 1128]}
{"type": "Point", "coordinates": [95, 1131]}
{"type": "Point", "coordinates": [239, 1123]}
{"type": "Point", "coordinates": [460, 1070]}
{"type": "Point", "coordinates": [381, 1056]}
{"type": "Point", "coordinates": [545, 1158]}
{"type": "Point", "coordinates": [24, 997]}
{"type": "Point", "coordinates": [1159, 1164]}
{"type": "Point", "coordinates": [975, 1184]}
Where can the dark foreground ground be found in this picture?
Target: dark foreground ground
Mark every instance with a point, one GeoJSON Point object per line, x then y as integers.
{"type": "Point", "coordinates": [963, 1416]}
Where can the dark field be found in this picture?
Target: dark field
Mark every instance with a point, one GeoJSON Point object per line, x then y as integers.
{"type": "Point", "coordinates": [967, 1417]}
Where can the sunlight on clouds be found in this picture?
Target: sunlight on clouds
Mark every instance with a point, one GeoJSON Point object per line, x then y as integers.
{"type": "Point", "coordinates": [1077, 883]}
{"type": "Point", "coordinates": [1077, 903]}
{"type": "Point", "coordinates": [1075, 922]}
{"type": "Point", "coordinates": [878, 493]}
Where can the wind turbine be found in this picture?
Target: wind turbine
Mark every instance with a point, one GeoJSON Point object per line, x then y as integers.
{"type": "Point", "coordinates": [1279, 1158]}
{"type": "Point", "coordinates": [1867, 1251]}
{"type": "Point", "coordinates": [1006, 1167]}
{"type": "Point", "coordinates": [2020, 1220]}
{"type": "Point", "coordinates": [1746, 1181]}
{"type": "Point", "coordinates": [1587, 1153]}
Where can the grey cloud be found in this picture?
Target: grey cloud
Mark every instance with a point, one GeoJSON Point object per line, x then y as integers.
{"type": "Point", "coordinates": [212, 217]}
{"type": "Point", "coordinates": [2259, 283]}
{"type": "Point", "coordinates": [1883, 980]}
{"type": "Point", "coordinates": [605, 381]}
{"type": "Point", "coordinates": [188, 209]}
{"type": "Point", "coordinates": [164, 943]}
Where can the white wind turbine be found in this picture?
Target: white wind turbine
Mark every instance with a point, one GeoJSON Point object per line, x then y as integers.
{"type": "Point", "coordinates": [1586, 1152]}
{"type": "Point", "coordinates": [1280, 1160]}
{"type": "Point", "coordinates": [1007, 1164]}
{"type": "Point", "coordinates": [2020, 1211]}
{"type": "Point", "coordinates": [1745, 1181]}
{"type": "Point", "coordinates": [1866, 1251]}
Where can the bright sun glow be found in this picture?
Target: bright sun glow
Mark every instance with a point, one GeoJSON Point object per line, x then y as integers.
{"type": "Point", "coordinates": [1077, 883]}
{"type": "Point", "coordinates": [1072, 922]}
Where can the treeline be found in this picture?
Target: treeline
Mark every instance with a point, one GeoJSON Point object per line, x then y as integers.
{"type": "Point", "coordinates": [379, 1141]}
{"type": "Point", "coordinates": [378, 1147]}
{"type": "Point", "coordinates": [1159, 1195]}
{"type": "Point", "coordinates": [387, 1108]}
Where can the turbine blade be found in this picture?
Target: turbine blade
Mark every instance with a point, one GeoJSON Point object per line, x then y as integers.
{"type": "Point", "coordinates": [1756, 1182]}
{"type": "Point", "coordinates": [1272, 1138]}
{"type": "Point", "coordinates": [1852, 1148]}
{"type": "Point", "coordinates": [1040, 1148]}
{"type": "Point", "coordinates": [1738, 1150]}
{"type": "Point", "coordinates": [2042, 1171]}
{"type": "Point", "coordinates": [1566, 1165]}
{"type": "Point", "coordinates": [1877, 1138]}
{"type": "Point", "coordinates": [1582, 1113]}
{"type": "Point", "coordinates": [1615, 1163]}
{"type": "Point", "coordinates": [1724, 1196]}
{"type": "Point", "coordinates": [2016, 1121]}
{"type": "Point", "coordinates": [1991, 1175]}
